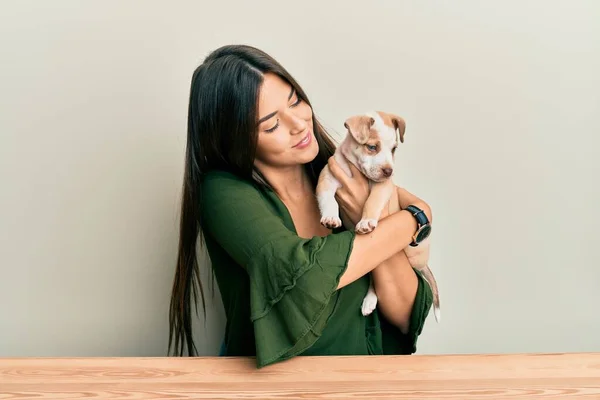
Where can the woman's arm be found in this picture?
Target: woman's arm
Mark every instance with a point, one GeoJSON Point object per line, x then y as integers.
{"type": "Point", "coordinates": [396, 284]}
{"type": "Point", "coordinates": [405, 198]}
{"type": "Point", "coordinates": [243, 224]}
{"type": "Point", "coordinates": [394, 278]}
{"type": "Point", "coordinates": [392, 234]}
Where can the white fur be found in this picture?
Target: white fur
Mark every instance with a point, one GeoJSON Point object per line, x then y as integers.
{"type": "Point", "coordinates": [369, 301]}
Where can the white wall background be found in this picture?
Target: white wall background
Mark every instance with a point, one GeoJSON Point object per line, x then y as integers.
{"type": "Point", "coordinates": [502, 103]}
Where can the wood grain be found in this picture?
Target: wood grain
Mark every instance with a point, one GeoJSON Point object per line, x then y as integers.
{"type": "Point", "coordinates": [512, 376]}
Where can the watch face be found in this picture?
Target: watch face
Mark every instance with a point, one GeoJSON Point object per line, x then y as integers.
{"type": "Point", "coordinates": [423, 233]}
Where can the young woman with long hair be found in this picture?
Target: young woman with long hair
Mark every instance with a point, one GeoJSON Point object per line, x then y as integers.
{"type": "Point", "coordinates": [289, 285]}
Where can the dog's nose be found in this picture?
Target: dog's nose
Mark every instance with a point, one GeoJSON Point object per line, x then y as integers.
{"type": "Point", "coordinates": [387, 172]}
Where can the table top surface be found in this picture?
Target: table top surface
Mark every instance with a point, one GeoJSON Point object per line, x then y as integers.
{"type": "Point", "coordinates": [494, 376]}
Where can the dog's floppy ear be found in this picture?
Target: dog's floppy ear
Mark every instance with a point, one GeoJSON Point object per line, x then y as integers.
{"type": "Point", "coordinates": [400, 125]}
{"type": "Point", "coordinates": [359, 127]}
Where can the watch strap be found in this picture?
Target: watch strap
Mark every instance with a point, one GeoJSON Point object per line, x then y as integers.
{"type": "Point", "coordinates": [419, 215]}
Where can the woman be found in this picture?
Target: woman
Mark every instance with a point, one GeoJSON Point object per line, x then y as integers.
{"type": "Point", "coordinates": [289, 285]}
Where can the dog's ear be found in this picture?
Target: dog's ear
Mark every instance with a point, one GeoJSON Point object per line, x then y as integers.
{"type": "Point", "coordinates": [359, 127]}
{"type": "Point", "coordinates": [399, 125]}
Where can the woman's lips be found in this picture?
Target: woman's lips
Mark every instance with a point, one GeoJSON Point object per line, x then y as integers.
{"type": "Point", "coordinates": [304, 142]}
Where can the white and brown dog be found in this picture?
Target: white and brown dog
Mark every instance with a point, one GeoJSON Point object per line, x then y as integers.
{"type": "Point", "coordinates": [370, 144]}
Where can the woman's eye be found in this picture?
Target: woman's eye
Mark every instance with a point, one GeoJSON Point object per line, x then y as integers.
{"type": "Point", "coordinates": [273, 128]}
{"type": "Point", "coordinates": [298, 101]}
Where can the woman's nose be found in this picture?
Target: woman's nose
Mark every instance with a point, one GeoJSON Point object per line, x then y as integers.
{"type": "Point", "coordinates": [297, 124]}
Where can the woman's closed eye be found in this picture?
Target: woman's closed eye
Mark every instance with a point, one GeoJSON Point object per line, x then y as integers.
{"type": "Point", "coordinates": [294, 104]}
{"type": "Point", "coordinates": [298, 101]}
{"type": "Point", "coordinates": [273, 128]}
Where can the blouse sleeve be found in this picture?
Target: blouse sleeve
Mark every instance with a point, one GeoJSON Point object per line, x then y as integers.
{"type": "Point", "coordinates": [293, 281]}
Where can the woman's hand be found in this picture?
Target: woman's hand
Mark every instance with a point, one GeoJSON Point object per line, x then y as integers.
{"type": "Point", "coordinates": [354, 192]}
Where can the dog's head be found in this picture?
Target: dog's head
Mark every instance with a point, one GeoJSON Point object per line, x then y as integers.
{"type": "Point", "coordinates": [374, 138]}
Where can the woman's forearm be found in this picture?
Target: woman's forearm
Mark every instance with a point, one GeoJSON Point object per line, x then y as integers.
{"type": "Point", "coordinates": [405, 198]}
{"type": "Point", "coordinates": [395, 283]}
{"type": "Point", "coordinates": [391, 236]}
{"type": "Point", "coordinates": [394, 279]}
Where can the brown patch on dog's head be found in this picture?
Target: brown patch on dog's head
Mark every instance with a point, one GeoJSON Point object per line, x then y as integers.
{"type": "Point", "coordinates": [394, 121]}
{"type": "Point", "coordinates": [359, 127]}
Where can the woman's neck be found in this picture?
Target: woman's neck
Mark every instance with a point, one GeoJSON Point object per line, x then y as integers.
{"type": "Point", "coordinates": [291, 184]}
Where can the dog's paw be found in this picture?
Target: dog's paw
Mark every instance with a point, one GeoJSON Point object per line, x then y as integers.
{"type": "Point", "coordinates": [366, 225]}
{"type": "Point", "coordinates": [331, 222]}
{"type": "Point", "coordinates": [369, 304]}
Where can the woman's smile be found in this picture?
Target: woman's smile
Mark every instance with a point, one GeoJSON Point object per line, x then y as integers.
{"type": "Point", "coordinates": [305, 142]}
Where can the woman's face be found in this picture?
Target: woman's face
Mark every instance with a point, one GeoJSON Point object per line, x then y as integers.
{"type": "Point", "coordinates": [285, 129]}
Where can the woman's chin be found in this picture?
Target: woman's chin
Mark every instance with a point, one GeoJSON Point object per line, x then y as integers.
{"type": "Point", "coordinates": [310, 153]}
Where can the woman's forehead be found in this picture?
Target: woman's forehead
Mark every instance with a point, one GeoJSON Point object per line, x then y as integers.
{"type": "Point", "coordinates": [273, 93]}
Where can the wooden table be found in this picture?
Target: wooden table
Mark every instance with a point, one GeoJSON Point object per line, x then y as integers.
{"type": "Point", "coordinates": [519, 376]}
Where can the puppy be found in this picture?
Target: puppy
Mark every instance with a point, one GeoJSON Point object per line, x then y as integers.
{"type": "Point", "coordinates": [370, 145]}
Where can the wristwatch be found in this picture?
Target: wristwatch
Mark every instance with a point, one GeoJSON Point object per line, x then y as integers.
{"type": "Point", "coordinates": [423, 226]}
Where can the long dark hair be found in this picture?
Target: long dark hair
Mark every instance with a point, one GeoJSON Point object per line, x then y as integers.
{"type": "Point", "coordinates": [222, 134]}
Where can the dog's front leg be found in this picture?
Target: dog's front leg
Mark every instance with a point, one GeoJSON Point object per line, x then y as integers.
{"type": "Point", "coordinates": [328, 206]}
{"type": "Point", "coordinates": [377, 200]}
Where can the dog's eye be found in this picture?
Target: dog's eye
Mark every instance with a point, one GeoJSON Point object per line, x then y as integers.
{"type": "Point", "coordinates": [394, 149]}
{"type": "Point", "coordinates": [371, 147]}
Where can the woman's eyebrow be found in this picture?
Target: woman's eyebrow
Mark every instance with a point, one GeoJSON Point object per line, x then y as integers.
{"type": "Point", "coordinates": [266, 117]}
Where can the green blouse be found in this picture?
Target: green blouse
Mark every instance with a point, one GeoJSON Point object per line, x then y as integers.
{"type": "Point", "coordinates": [279, 290]}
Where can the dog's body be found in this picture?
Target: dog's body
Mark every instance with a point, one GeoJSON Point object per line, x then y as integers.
{"type": "Point", "coordinates": [370, 145]}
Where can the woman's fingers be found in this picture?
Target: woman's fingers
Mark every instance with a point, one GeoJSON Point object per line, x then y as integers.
{"type": "Point", "coordinates": [357, 174]}
{"type": "Point", "coordinates": [355, 171]}
{"type": "Point", "coordinates": [337, 172]}
{"type": "Point", "coordinates": [342, 176]}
